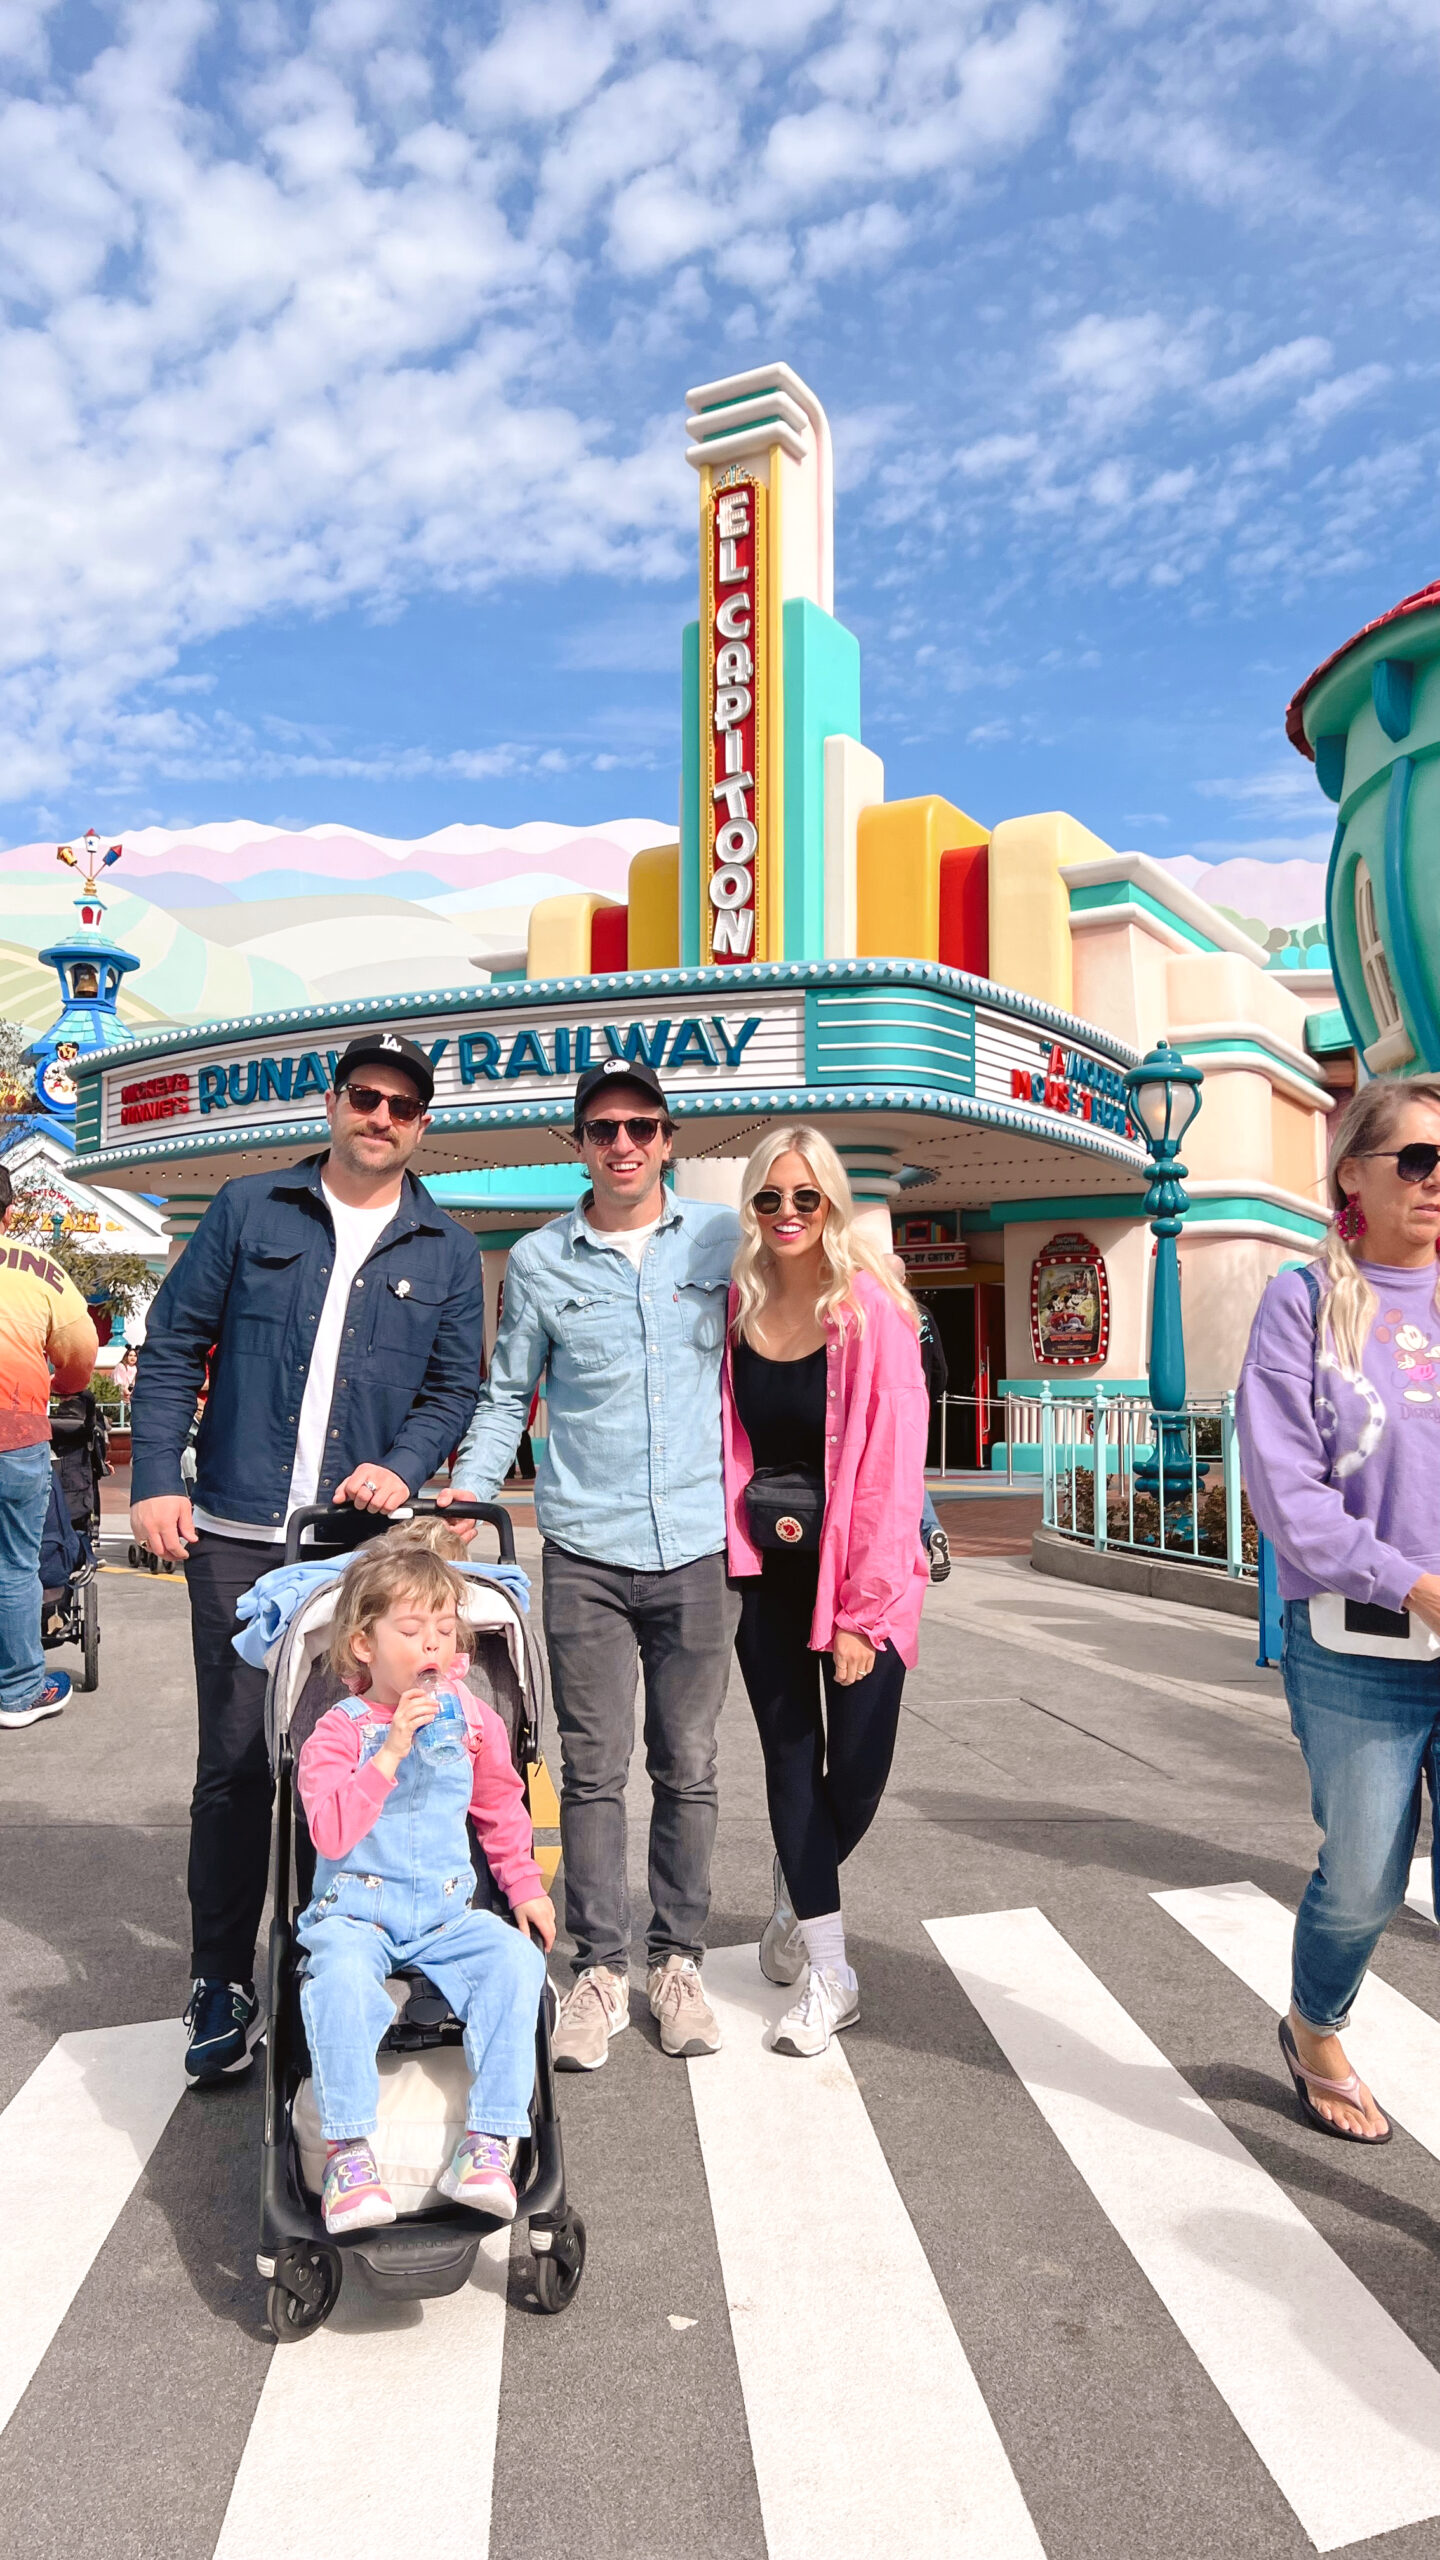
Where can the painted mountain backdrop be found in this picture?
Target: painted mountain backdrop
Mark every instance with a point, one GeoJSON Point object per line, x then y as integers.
{"type": "Point", "coordinates": [234, 917]}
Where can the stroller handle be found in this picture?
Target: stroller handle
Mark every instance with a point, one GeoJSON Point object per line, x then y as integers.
{"type": "Point", "coordinates": [494, 1513]}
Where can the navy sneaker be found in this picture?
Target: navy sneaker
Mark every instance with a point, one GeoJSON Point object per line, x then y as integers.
{"type": "Point", "coordinates": [49, 1703]}
{"type": "Point", "coordinates": [225, 2026]}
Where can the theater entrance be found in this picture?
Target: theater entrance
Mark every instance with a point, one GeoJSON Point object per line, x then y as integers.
{"type": "Point", "coordinates": [969, 1317]}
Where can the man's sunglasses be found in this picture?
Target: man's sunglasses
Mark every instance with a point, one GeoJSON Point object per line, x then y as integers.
{"type": "Point", "coordinates": [365, 1098]}
{"type": "Point", "coordinates": [1414, 1163]}
{"type": "Point", "coordinates": [768, 1204]}
{"type": "Point", "coordinates": [641, 1131]}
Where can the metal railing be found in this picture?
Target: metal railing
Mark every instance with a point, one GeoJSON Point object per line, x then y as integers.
{"type": "Point", "coordinates": [969, 1426]}
{"type": "Point", "coordinates": [1106, 1479]}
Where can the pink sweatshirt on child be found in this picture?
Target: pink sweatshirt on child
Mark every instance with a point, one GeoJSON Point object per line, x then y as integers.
{"type": "Point", "coordinates": [343, 1796]}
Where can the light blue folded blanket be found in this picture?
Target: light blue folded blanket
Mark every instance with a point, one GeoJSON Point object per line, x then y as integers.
{"type": "Point", "coordinates": [270, 1604]}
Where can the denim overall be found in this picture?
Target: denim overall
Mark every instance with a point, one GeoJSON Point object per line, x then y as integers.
{"type": "Point", "coordinates": [401, 1896]}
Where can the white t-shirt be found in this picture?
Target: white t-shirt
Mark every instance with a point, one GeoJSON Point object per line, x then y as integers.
{"type": "Point", "coordinates": [631, 1241]}
{"type": "Point", "coordinates": [356, 1231]}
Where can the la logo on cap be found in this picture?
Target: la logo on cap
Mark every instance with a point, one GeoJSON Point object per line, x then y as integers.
{"type": "Point", "coordinates": [388, 1040]}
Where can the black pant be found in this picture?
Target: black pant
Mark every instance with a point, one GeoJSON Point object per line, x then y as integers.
{"type": "Point", "coordinates": [824, 1778]}
{"type": "Point", "coordinates": [230, 1808]}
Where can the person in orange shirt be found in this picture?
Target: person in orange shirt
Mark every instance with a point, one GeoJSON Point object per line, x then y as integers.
{"type": "Point", "coordinates": [48, 1346]}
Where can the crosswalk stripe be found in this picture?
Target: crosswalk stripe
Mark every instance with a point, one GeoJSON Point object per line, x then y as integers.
{"type": "Point", "coordinates": [73, 2142]}
{"type": "Point", "coordinates": [377, 2434]}
{"type": "Point", "coordinates": [1420, 1891]}
{"type": "Point", "coordinates": [1394, 2045]}
{"type": "Point", "coordinates": [1341, 2408]}
{"type": "Point", "coordinates": [867, 2426]}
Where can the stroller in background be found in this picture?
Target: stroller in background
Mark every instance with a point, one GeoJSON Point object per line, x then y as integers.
{"type": "Point", "coordinates": [79, 1438]}
{"type": "Point", "coordinates": [430, 2251]}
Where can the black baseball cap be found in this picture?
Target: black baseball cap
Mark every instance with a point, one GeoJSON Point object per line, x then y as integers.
{"type": "Point", "coordinates": [618, 1071]}
{"type": "Point", "coordinates": [387, 1049]}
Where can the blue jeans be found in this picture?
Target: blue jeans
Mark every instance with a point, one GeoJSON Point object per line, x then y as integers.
{"type": "Point", "coordinates": [490, 1973]}
{"type": "Point", "coordinates": [24, 1500]}
{"type": "Point", "coordinates": [1370, 1732]}
{"type": "Point", "coordinates": [929, 1520]}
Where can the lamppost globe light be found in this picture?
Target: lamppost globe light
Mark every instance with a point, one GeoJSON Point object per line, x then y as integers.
{"type": "Point", "coordinates": [1164, 1095]}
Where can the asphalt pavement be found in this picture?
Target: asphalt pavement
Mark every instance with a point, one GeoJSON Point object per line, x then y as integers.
{"type": "Point", "coordinates": [1038, 2261]}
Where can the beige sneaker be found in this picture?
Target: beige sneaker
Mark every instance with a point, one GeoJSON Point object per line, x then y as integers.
{"type": "Point", "coordinates": [688, 2024]}
{"type": "Point", "coordinates": [596, 2010]}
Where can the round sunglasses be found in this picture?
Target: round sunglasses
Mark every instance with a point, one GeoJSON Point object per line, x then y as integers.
{"type": "Point", "coordinates": [768, 1204]}
{"type": "Point", "coordinates": [1414, 1163]}
{"type": "Point", "coordinates": [365, 1098]}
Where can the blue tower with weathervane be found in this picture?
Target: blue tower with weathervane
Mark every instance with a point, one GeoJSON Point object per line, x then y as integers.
{"type": "Point", "coordinates": [89, 967]}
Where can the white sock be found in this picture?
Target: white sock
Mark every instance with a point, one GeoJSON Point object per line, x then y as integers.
{"type": "Point", "coordinates": [825, 1944]}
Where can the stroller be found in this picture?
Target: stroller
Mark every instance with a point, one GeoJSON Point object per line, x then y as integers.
{"type": "Point", "coordinates": [79, 1438]}
{"type": "Point", "coordinates": [431, 2248]}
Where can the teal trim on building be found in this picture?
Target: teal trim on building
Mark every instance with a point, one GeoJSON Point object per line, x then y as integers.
{"type": "Point", "coordinates": [1402, 947]}
{"type": "Point", "coordinates": [822, 700]}
{"type": "Point", "coordinates": [690, 796]}
{"type": "Point", "coordinates": [1392, 684]}
{"type": "Point", "coordinates": [1128, 893]}
{"type": "Point", "coordinates": [1244, 1053]}
{"type": "Point", "coordinates": [1328, 1034]}
{"type": "Point", "coordinates": [517, 1189]}
{"type": "Point", "coordinates": [1124, 1204]}
{"type": "Point", "coordinates": [850, 1041]}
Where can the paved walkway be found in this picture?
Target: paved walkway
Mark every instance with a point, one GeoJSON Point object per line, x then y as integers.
{"type": "Point", "coordinates": [1040, 2261]}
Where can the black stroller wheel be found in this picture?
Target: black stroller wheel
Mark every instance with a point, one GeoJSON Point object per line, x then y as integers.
{"type": "Point", "coordinates": [90, 1635]}
{"type": "Point", "coordinates": [305, 2291]}
{"type": "Point", "coordinates": [559, 2268]}
{"type": "Point", "coordinates": [134, 1552]}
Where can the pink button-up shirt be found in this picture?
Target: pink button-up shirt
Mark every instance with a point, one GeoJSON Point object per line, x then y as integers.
{"type": "Point", "coordinates": [873, 1569]}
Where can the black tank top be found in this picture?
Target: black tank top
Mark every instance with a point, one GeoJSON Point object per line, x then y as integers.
{"type": "Point", "coordinates": [782, 1406]}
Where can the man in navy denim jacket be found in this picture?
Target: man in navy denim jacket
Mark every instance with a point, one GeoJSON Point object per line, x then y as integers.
{"type": "Point", "coordinates": [341, 1313]}
{"type": "Point", "coordinates": [622, 1306]}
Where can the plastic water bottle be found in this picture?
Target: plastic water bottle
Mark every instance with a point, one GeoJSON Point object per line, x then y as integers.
{"type": "Point", "coordinates": [448, 1723]}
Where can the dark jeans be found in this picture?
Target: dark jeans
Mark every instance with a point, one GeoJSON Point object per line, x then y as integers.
{"type": "Point", "coordinates": [230, 1808]}
{"type": "Point", "coordinates": [1370, 1732]}
{"type": "Point", "coordinates": [603, 1624]}
{"type": "Point", "coordinates": [824, 1778]}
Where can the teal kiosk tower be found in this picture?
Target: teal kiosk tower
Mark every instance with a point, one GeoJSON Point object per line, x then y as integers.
{"type": "Point", "coordinates": [89, 967]}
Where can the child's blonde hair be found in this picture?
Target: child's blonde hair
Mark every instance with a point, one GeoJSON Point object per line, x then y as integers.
{"type": "Point", "coordinates": [433, 1533]}
{"type": "Point", "coordinates": [374, 1582]}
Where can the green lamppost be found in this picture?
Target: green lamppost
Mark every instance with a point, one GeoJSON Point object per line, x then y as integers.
{"type": "Point", "coordinates": [1164, 1095]}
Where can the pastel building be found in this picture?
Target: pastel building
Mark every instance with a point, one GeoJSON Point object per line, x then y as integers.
{"type": "Point", "coordinates": [957, 1001]}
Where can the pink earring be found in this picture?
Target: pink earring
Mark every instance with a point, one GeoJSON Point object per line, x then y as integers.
{"type": "Point", "coordinates": [1351, 1222]}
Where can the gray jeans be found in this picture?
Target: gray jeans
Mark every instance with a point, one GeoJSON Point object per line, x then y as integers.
{"type": "Point", "coordinates": [603, 1623]}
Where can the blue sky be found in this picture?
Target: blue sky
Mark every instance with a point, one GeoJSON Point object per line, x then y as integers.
{"type": "Point", "coordinates": [342, 457]}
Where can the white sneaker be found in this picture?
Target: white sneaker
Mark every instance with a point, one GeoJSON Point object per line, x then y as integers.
{"type": "Point", "coordinates": [596, 2010]}
{"type": "Point", "coordinates": [826, 2004]}
{"type": "Point", "coordinates": [782, 1949]}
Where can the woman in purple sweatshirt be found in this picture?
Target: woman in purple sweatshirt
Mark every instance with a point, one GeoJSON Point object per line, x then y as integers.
{"type": "Point", "coordinates": [1339, 1412]}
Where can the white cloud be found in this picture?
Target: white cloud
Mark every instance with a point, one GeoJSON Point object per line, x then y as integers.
{"type": "Point", "coordinates": [1277, 371]}
{"type": "Point", "coordinates": [1330, 400]}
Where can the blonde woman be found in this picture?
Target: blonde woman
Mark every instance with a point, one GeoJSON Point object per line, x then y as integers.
{"type": "Point", "coordinates": [825, 1419]}
{"type": "Point", "coordinates": [1340, 1426]}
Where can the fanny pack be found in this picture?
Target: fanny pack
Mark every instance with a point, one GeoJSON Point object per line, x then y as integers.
{"type": "Point", "coordinates": [785, 1507]}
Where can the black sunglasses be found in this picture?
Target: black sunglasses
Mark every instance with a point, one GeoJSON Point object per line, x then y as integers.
{"type": "Point", "coordinates": [365, 1098]}
{"type": "Point", "coordinates": [640, 1131]}
{"type": "Point", "coordinates": [1414, 1163]}
{"type": "Point", "coordinates": [768, 1204]}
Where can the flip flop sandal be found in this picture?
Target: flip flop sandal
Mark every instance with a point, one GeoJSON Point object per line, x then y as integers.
{"type": "Point", "coordinates": [1348, 2088]}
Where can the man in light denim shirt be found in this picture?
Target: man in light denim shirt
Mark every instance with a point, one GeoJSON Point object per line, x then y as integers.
{"type": "Point", "coordinates": [622, 1305]}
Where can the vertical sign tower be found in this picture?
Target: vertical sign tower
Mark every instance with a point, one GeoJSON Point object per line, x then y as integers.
{"type": "Point", "coordinates": [760, 442]}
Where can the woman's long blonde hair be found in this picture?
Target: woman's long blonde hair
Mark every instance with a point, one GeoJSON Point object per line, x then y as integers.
{"type": "Point", "coordinates": [846, 1251]}
{"type": "Point", "coordinates": [1366, 1123]}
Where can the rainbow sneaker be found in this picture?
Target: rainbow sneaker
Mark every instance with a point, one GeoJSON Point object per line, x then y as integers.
{"type": "Point", "coordinates": [352, 2197]}
{"type": "Point", "coordinates": [479, 2175]}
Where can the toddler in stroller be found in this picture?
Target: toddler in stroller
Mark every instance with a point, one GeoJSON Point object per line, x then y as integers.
{"type": "Point", "coordinates": [388, 1780]}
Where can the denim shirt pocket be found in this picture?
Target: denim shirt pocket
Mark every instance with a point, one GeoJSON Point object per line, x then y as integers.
{"type": "Point", "coordinates": [702, 1302]}
{"type": "Point", "coordinates": [584, 1332]}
